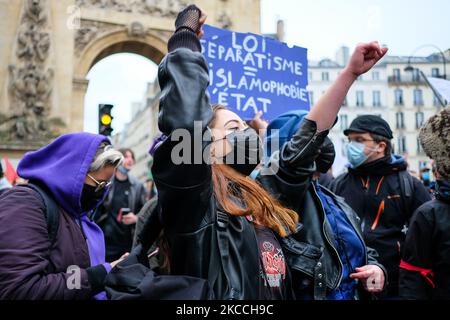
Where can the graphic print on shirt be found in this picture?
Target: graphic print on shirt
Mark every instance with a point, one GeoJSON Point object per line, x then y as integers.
{"type": "Point", "coordinates": [274, 264]}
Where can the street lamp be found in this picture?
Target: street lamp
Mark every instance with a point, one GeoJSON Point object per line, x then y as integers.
{"type": "Point", "coordinates": [444, 62]}
{"type": "Point", "coordinates": [410, 68]}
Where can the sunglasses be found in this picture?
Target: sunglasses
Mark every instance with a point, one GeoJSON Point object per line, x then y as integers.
{"type": "Point", "coordinates": [100, 185]}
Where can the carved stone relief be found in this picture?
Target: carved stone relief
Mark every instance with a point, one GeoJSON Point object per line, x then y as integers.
{"type": "Point", "coordinates": [224, 21]}
{"type": "Point", "coordinates": [30, 78]}
{"type": "Point", "coordinates": [165, 8]}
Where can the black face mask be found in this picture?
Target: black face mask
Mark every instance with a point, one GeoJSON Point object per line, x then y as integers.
{"type": "Point", "coordinates": [325, 159]}
{"type": "Point", "coordinates": [246, 151]}
{"type": "Point", "coordinates": [90, 198]}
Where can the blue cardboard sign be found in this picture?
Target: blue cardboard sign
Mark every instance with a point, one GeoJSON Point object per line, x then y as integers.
{"type": "Point", "coordinates": [250, 73]}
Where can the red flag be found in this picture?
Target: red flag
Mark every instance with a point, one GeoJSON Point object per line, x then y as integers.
{"type": "Point", "coordinates": [10, 172]}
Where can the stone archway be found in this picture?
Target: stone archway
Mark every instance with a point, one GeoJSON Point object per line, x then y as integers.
{"type": "Point", "coordinates": [47, 48]}
{"type": "Point", "coordinates": [151, 46]}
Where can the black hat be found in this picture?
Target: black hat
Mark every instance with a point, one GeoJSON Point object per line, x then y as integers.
{"type": "Point", "coordinates": [370, 124]}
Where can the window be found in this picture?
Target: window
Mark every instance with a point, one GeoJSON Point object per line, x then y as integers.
{"type": "Point", "coordinates": [311, 98]}
{"type": "Point", "coordinates": [310, 77]}
{"type": "Point", "coordinates": [360, 78]}
{"type": "Point", "coordinates": [435, 72]}
{"type": "Point", "coordinates": [359, 98]}
{"type": "Point", "coordinates": [325, 76]}
{"type": "Point", "coordinates": [396, 73]}
{"type": "Point", "coordinates": [419, 147]}
{"type": "Point", "coordinates": [344, 121]}
{"type": "Point", "coordinates": [343, 144]}
{"type": "Point", "coordinates": [398, 97]}
{"type": "Point", "coordinates": [418, 97]}
{"type": "Point", "coordinates": [400, 120]}
{"type": "Point", "coordinates": [376, 97]}
{"type": "Point", "coordinates": [344, 103]}
{"type": "Point", "coordinates": [401, 145]}
{"type": "Point", "coordinates": [419, 119]}
{"type": "Point", "coordinates": [376, 75]}
{"type": "Point", "coordinates": [415, 75]}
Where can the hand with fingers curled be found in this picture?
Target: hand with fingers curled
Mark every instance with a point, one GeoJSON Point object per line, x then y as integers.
{"type": "Point", "coordinates": [365, 56]}
{"type": "Point", "coordinates": [191, 18]}
{"type": "Point", "coordinates": [371, 276]}
{"type": "Point", "coordinates": [258, 124]}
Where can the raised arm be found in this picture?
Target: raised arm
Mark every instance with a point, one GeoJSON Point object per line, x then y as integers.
{"type": "Point", "coordinates": [182, 177]}
{"type": "Point", "coordinates": [362, 60]}
{"type": "Point", "coordinates": [183, 77]}
{"type": "Point", "coordinates": [295, 163]}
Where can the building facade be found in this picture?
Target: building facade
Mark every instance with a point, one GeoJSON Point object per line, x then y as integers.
{"type": "Point", "coordinates": [47, 48]}
{"type": "Point", "coordinates": [140, 132]}
{"type": "Point", "coordinates": [401, 97]}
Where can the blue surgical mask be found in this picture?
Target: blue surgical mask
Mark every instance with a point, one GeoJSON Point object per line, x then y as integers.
{"type": "Point", "coordinates": [355, 153]}
{"type": "Point", "coordinates": [123, 170]}
{"type": "Point", "coordinates": [426, 176]}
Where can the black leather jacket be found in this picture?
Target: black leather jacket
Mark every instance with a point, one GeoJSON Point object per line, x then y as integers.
{"type": "Point", "coordinates": [425, 265]}
{"type": "Point", "coordinates": [310, 252]}
{"type": "Point", "coordinates": [204, 241]}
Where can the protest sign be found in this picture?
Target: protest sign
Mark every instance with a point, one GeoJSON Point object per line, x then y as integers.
{"type": "Point", "coordinates": [250, 73]}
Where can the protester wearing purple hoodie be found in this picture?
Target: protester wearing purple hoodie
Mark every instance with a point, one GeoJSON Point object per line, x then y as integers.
{"type": "Point", "coordinates": [75, 170]}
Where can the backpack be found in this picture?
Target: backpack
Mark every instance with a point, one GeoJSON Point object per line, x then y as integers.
{"type": "Point", "coordinates": [406, 189]}
{"type": "Point", "coordinates": [51, 210]}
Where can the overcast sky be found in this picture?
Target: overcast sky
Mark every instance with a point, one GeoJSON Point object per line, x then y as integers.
{"type": "Point", "coordinates": [319, 25]}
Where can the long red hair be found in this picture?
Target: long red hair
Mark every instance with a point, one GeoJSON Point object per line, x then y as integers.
{"type": "Point", "coordinates": [256, 201]}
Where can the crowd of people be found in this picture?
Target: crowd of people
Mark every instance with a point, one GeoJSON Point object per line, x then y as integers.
{"type": "Point", "coordinates": [259, 217]}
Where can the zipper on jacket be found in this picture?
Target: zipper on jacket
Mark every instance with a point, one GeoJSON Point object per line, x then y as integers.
{"type": "Point", "coordinates": [328, 240]}
{"type": "Point", "coordinates": [313, 139]}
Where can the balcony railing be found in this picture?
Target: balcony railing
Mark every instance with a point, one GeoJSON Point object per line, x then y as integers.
{"type": "Point", "coordinates": [406, 79]}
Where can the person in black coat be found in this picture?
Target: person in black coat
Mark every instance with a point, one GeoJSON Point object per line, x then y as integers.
{"type": "Point", "coordinates": [327, 255]}
{"type": "Point", "coordinates": [425, 265]}
{"type": "Point", "coordinates": [381, 191]}
{"type": "Point", "coordinates": [218, 224]}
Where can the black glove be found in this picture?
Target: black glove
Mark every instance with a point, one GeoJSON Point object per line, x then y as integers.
{"type": "Point", "coordinates": [189, 18]}
{"type": "Point", "coordinates": [187, 26]}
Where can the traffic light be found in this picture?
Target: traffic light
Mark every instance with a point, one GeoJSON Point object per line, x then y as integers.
{"type": "Point", "coordinates": [105, 119]}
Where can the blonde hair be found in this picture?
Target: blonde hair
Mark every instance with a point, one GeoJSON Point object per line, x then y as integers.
{"type": "Point", "coordinates": [106, 156]}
